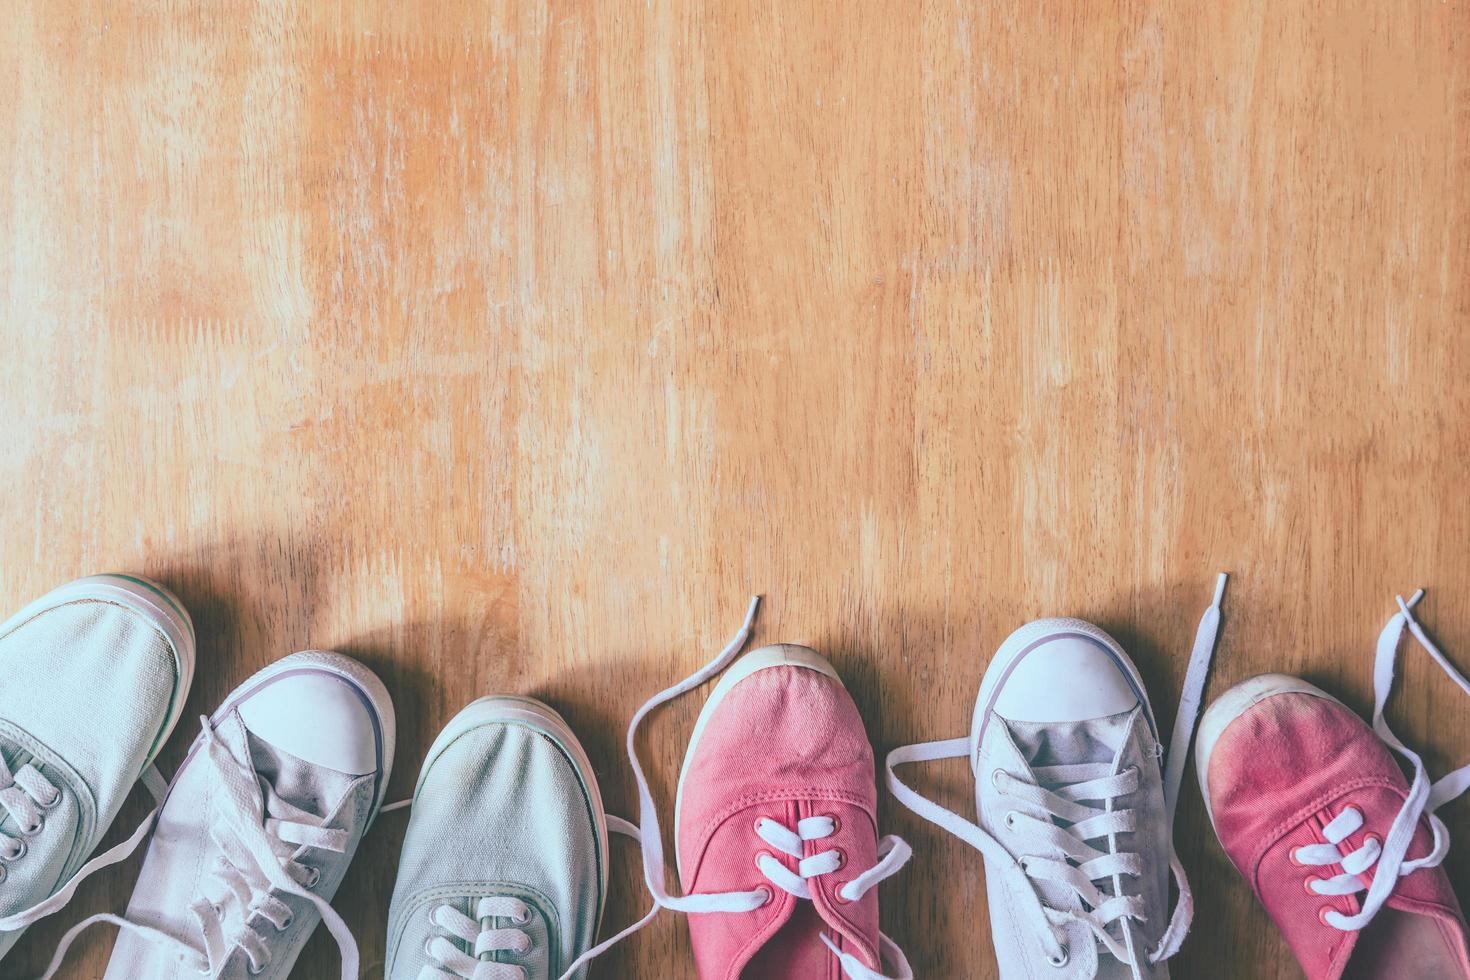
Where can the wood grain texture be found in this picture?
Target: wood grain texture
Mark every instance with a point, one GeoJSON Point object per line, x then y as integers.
{"type": "Point", "coordinates": [509, 346]}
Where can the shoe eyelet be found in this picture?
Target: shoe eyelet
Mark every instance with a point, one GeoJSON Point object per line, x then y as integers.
{"type": "Point", "coordinates": [1010, 819]}
{"type": "Point", "coordinates": [1291, 854]}
{"type": "Point", "coordinates": [290, 920]}
{"type": "Point", "coordinates": [314, 877]}
{"type": "Point", "coordinates": [756, 826]}
{"type": "Point", "coordinates": [841, 860]}
{"type": "Point", "coordinates": [52, 803]}
{"type": "Point", "coordinates": [250, 969]}
{"type": "Point", "coordinates": [34, 829]}
{"type": "Point", "coordinates": [1322, 915]}
{"type": "Point", "coordinates": [836, 823]}
{"type": "Point", "coordinates": [762, 854]}
{"type": "Point", "coordinates": [429, 946]}
{"type": "Point", "coordinates": [995, 778]}
{"type": "Point", "coordinates": [1061, 959]}
{"type": "Point", "coordinates": [770, 895]}
{"type": "Point", "coordinates": [1374, 838]}
{"type": "Point", "coordinates": [1307, 885]}
{"type": "Point", "coordinates": [18, 853]}
{"type": "Point", "coordinates": [524, 919]}
{"type": "Point", "coordinates": [3, 873]}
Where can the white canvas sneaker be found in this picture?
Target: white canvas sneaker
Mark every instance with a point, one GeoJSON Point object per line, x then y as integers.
{"type": "Point", "coordinates": [1074, 807]}
{"type": "Point", "coordinates": [96, 673]}
{"type": "Point", "coordinates": [258, 827]}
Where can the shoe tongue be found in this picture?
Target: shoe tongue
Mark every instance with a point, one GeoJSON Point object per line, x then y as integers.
{"type": "Point", "coordinates": [1063, 743]}
{"type": "Point", "coordinates": [312, 788]}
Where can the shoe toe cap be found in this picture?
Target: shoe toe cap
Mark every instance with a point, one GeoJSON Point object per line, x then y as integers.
{"type": "Point", "coordinates": [1066, 678]}
{"type": "Point", "coordinates": [317, 716]}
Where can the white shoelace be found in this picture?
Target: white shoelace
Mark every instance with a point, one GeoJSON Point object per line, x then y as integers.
{"type": "Point", "coordinates": [1391, 856]}
{"type": "Point", "coordinates": [24, 795]}
{"type": "Point", "coordinates": [1073, 785]}
{"type": "Point", "coordinates": [258, 840]}
{"type": "Point", "coordinates": [892, 852]}
{"type": "Point", "coordinates": [449, 962]}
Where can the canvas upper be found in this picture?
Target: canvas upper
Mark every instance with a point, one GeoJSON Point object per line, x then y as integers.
{"type": "Point", "coordinates": [782, 747]}
{"type": "Point", "coordinates": [116, 653]}
{"type": "Point", "coordinates": [1288, 762]}
{"type": "Point", "coordinates": [259, 826]}
{"type": "Point", "coordinates": [1074, 802]}
{"type": "Point", "coordinates": [505, 853]}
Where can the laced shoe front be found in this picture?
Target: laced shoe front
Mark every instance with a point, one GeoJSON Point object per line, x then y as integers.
{"type": "Point", "coordinates": [1344, 853]}
{"type": "Point", "coordinates": [776, 824]}
{"type": "Point", "coordinates": [503, 873]}
{"type": "Point", "coordinates": [119, 652]}
{"type": "Point", "coordinates": [258, 827]}
{"type": "Point", "coordinates": [1074, 808]}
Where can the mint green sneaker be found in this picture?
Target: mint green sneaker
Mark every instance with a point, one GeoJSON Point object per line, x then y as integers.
{"type": "Point", "coordinates": [96, 673]}
{"type": "Point", "coordinates": [504, 867]}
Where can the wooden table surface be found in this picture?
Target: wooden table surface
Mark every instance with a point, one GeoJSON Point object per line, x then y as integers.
{"type": "Point", "coordinates": [510, 346]}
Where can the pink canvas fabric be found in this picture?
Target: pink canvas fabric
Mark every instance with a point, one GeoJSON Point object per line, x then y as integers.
{"type": "Point", "coordinates": [1279, 773]}
{"type": "Point", "coordinates": [784, 744]}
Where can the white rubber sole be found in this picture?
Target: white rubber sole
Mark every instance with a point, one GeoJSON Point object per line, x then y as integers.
{"type": "Point", "coordinates": [146, 598]}
{"type": "Point", "coordinates": [1027, 637]}
{"type": "Point", "coordinates": [779, 655]}
{"type": "Point", "coordinates": [513, 709]}
{"type": "Point", "coordinates": [1230, 706]}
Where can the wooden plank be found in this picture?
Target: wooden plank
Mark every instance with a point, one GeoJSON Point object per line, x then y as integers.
{"type": "Point", "coordinates": [511, 346]}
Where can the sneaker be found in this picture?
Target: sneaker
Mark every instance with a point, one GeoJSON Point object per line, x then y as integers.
{"type": "Point", "coordinates": [1344, 852]}
{"type": "Point", "coordinates": [258, 827]}
{"type": "Point", "coordinates": [118, 652]}
{"type": "Point", "coordinates": [504, 867]}
{"type": "Point", "coordinates": [776, 824]}
{"type": "Point", "coordinates": [1074, 807]}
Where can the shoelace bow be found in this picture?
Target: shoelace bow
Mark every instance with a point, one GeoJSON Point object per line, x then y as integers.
{"type": "Point", "coordinates": [24, 794]}
{"type": "Point", "coordinates": [1423, 799]}
{"type": "Point", "coordinates": [452, 963]}
{"type": "Point", "coordinates": [1068, 857]}
{"type": "Point", "coordinates": [260, 838]}
{"type": "Point", "coordinates": [892, 852]}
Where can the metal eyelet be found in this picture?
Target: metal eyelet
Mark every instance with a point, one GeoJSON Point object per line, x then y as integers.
{"type": "Point", "coordinates": [995, 778]}
{"type": "Point", "coordinates": [1291, 855]}
{"type": "Point", "coordinates": [1307, 883]}
{"type": "Point", "coordinates": [1061, 959]}
{"type": "Point", "coordinates": [34, 829]}
{"type": "Point", "coordinates": [841, 860]}
{"type": "Point", "coordinates": [1322, 915]}
{"type": "Point", "coordinates": [1010, 819]}
{"type": "Point", "coordinates": [52, 803]}
{"type": "Point", "coordinates": [315, 877]}
{"type": "Point", "coordinates": [290, 920]}
{"type": "Point", "coordinates": [762, 854]}
{"type": "Point", "coordinates": [18, 853]}
{"type": "Point", "coordinates": [3, 872]}
{"type": "Point", "coordinates": [524, 919]}
{"type": "Point", "coordinates": [836, 823]}
{"type": "Point", "coordinates": [768, 893]}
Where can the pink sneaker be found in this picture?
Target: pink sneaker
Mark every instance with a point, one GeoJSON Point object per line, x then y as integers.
{"type": "Point", "coordinates": [778, 847]}
{"type": "Point", "coordinates": [1340, 848]}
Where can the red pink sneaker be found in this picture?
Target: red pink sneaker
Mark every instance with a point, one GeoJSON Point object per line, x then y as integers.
{"type": "Point", "coordinates": [1340, 848]}
{"type": "Point", "coordinates": [776, 825]}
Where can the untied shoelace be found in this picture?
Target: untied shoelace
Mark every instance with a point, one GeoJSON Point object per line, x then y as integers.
{"type": "Point", "coordinates": [257, 842]}
{"type": "Point", "coordinates": [1391, 856]}
{"type": "Point", "coordinates": [892, 852]}
{"type": "Point", "coordinates": [1085, 821]}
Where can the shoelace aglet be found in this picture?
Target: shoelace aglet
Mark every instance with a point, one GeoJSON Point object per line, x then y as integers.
{"type": "Point", "coordinates": [1411, 603]}
{"type": "Point", "coordinates": [1220, 588]}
